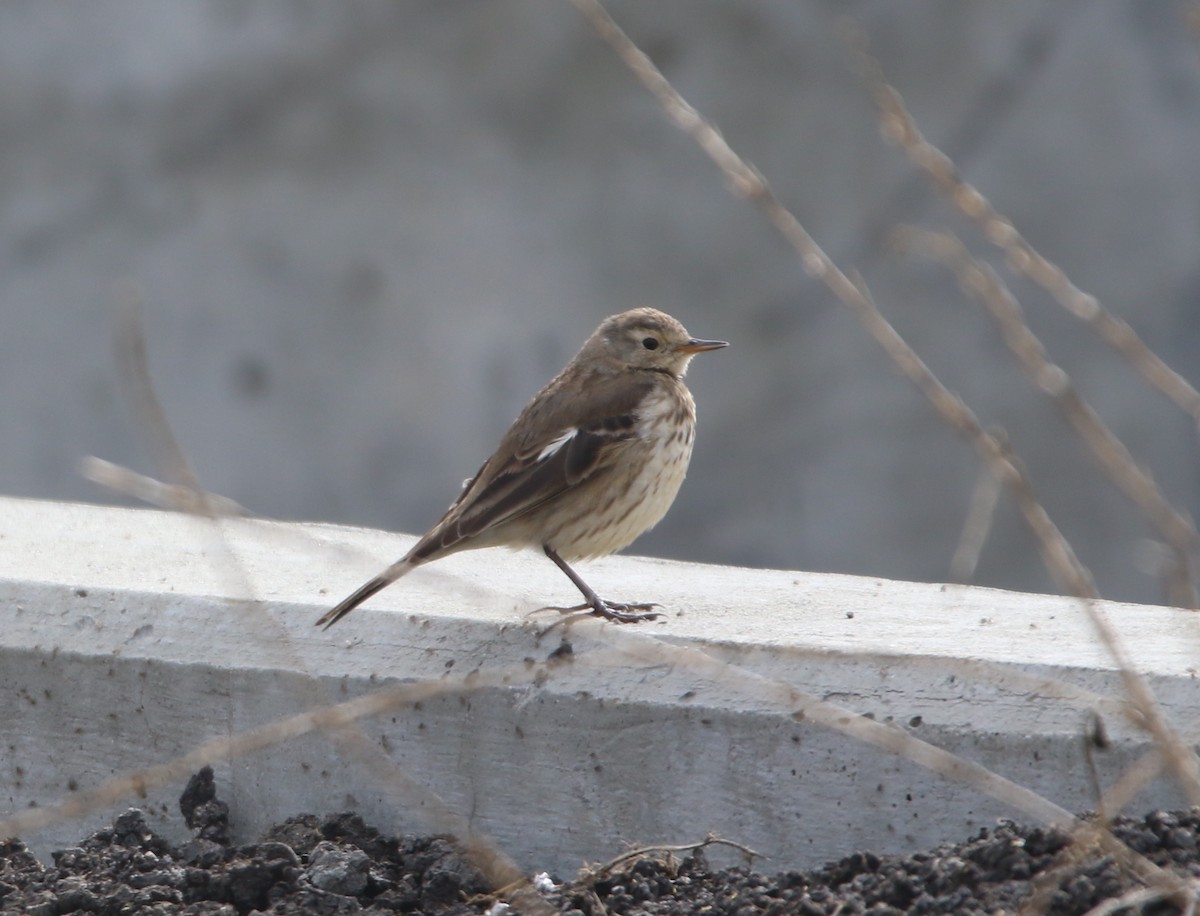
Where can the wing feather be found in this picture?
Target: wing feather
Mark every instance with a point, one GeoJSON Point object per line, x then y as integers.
{"type": "Point", "coordinates": [527, 471]}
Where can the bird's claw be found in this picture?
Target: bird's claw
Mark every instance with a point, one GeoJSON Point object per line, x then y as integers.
{"type": "Point", "coordinates": [625, 613]}
{"type": "Point", "coordinates": [617, 611]}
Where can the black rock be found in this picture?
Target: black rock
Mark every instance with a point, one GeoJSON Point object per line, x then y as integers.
{"type": "Point", "coordinates": [338, 865]}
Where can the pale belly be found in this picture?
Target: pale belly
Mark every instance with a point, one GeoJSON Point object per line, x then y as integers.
{"type": "Point", "coordinates": [634, 496]}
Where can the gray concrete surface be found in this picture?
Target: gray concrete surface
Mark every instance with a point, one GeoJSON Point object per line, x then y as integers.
{"type": "Point", "coordinates": [131, 637]}
{"type": "Point", "coordinates": [368, 232]}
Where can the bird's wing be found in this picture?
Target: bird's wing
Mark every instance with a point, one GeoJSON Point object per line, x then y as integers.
{"type": "Point", "coordinates": [531, 469]}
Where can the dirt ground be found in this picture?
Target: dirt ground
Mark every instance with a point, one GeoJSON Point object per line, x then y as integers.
{"type": "Point", "coordinates": [339, 865]}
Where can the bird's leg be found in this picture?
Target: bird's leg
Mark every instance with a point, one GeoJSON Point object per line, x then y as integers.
{"type": "Point", "coordinates": [609, 610]}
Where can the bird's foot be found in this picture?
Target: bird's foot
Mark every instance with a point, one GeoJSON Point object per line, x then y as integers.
{"type": "Point", "coordinates": [616, 611]}
{"type": "Point", "coordinates": [625, 613]}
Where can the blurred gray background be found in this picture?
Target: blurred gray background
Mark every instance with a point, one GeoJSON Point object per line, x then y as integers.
{"type": "Point", "coordinates": [368, 232]}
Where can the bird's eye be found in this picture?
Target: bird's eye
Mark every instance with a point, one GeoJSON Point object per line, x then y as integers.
{"type": "Point", "coordinates": [650, 343]}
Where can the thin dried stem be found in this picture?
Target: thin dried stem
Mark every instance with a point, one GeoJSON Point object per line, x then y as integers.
{"type": "Point", "coordinates": [1056, 552]}
{"type": "Point", "coordinates": [1093, 739]}
{"type": "Point", "coordinates": [590, 875]}
{"type": "Point", "coordinates": [268, 736]}
{"type": "Point", "coordinates": [623, 647]}
{"type": "Point", "coordinates": [981, 511]}
{"type": "Point", "coordinates": [748, 183]}
{"type": "Point", "coordinates": [177, 497]}
{"type": "Point", "coordinates": [1191, 18]}
{"type": "Point", "coordinates": [134, 372]}
{"type": "Point", "coordinates": [1091, 839]}
{"type": "Point", "coordinates": [1185, 897]}
{"type": "Point", "coordinates": [186, 495]}
{"type": "Point", "coordinates": [900, 127]}
{"type": "Point", "coordinates": [809, 709]}
{"type": "Point", "coordinates": [980, 281]}
{"type": "Point", "coordinates": [1133, 780]}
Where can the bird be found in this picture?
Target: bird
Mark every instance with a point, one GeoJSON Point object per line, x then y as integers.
{"type": "Point", "coordinates": [594, 460]}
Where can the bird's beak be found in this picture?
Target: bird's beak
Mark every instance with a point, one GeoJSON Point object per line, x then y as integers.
{"type": "Point", "coordinates": [699, 346]}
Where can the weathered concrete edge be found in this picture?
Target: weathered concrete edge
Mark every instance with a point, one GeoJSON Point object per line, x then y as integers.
{"type": "Point", "coordinates": [132, 636]}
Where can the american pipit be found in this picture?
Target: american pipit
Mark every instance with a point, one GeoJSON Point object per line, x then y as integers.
{"type": "Point", "coordinates": [594, 460]}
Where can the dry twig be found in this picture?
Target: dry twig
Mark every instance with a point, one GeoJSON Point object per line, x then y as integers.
{"type": "Point", "coordinates": [134, 371]}
{"type": "Point", "coordinates": [977, 525]}
{"type": "Point", "coordinates": [899, 126]}
{"type": "Point", "coordinates": [590, 875]}
{"type": "Point", "coordinates": [977, 279]}
{"type": "Point", "coordinates": [1060, 559]}
{"type": "Point", "coordinates": [187, 495]}
{"type": "Point", "coordinates": [177, 497]}
{"type": "Point", "coordinates": [1185, 898]}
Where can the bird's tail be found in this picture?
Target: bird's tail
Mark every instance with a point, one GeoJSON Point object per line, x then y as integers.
{"type": "Point", "coordinates": [380, 582]}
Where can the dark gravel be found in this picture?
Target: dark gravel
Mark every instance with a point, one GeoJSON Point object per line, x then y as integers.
{"type": "Point", "coordinates": [339, 865]}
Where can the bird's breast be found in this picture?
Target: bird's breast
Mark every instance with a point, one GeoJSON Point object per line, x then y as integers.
{"type": "Point", "coordinates": [637, 492]}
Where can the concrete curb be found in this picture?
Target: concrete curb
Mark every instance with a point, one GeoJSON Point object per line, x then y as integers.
{"type": "Point", "coordinates": [130, 637]}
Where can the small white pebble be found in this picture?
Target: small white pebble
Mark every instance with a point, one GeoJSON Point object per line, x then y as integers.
{"type": "Point", "coordinates": [499, 909]}
{"type": "Point", "coordinates": [543, 883]}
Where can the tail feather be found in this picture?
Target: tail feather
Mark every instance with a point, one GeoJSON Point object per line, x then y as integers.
{"type": "Point", "coordinates": [378, 584]}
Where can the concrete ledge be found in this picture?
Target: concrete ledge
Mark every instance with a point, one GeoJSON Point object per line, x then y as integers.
{"type": "Point", "coordinates": [130, 637]}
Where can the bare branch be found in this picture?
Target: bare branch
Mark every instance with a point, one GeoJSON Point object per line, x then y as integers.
{"type": "Point", "coordinates": [984, 284]}
{"type": "Point", "coordinates": [898, 125]}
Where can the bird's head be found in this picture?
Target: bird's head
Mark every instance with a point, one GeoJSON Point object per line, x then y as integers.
{"type": "Point", "coordinates": [646, 338]}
